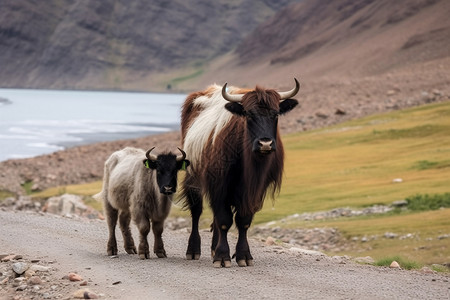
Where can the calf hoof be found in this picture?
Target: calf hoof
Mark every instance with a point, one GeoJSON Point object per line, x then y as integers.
{"type": "Point", "coordinates": [193, 256]}
{"type": "Point", "coordinates": [245, 263]}
{"type": "Point", "coordinates": [222, 263]}
{"type": "Point", "coordinates": [111, 251]}
{"type": "Point", "coordinates": [144, 255]}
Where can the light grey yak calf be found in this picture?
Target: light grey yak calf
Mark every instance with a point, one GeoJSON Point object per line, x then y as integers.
{"type": "Point", "coordinates": [139, 185]}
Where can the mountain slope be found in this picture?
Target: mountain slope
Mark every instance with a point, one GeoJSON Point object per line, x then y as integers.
{"type": "Point", "coordinates": [335, 38]}
{"type": "Point", "coordinates": [113, 44]}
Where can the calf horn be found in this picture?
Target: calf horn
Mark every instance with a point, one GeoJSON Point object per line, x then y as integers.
{"type": "Point", "coordinates": [182, 156]}
{"type": "Point", "coordinates": [291, 93]}
{"type": "Point", "coordinates": [150, 156]}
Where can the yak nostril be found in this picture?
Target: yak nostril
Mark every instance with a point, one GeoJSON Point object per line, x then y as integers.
{"type": "Point", "coordinates": [265, 144]}
{"type": "Point", "coordinates": [167, 188]}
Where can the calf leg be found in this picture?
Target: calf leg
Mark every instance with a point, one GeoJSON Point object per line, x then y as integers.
{"type": "Point", "coordinates": [143, 224]}
{"type": "Point", "coordinates": [158, 247]}
{"type": "Point", "coordinates": [128, 242]}
{"type": "Point", "coordinates": [111, 219]}
{"type": "Point", "coordinates": [243, 256]}
{"type": "Point", "coordinates": [223, 219]}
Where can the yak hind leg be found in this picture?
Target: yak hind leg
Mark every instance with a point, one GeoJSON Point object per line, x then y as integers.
{"type": "Point", "coordinates": [158, 246]}
{"type": "Point", "coordinates": [223, 219]}
{"type": "Point", "coordinates": [111, 219]}
{"type": "Point", "coordinates": [243, 255]}
{"type": "Point", "coordinates": [128, 242]}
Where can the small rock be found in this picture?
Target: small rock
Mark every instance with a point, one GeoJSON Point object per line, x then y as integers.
{"type": "Point", "coordinates": [400, 203]}
{"type": "Point", "coordinates": [394, 265]}
{"type": "Point", "coordinates": [84, 283]}
{"type": "Point", "coordinates": [427, 270]}
{"type": "Point", "coordinates": [307, 252]}
{"type": "Point", "coordinates": [74, 277]}
{"type": "Point", "coordinates": [34, 280]}
{"type": "Point", "coordinates": [270, 241]}
{"type": "Point", "coordinates": [321, 115]}
{"type": "Point", "coordinates": [340, 112]}
{"type": "Point", "coordinates": [365, 260]}
{"type": "Point", "coordinates": [11, 257]}
{"type": "Point", "coordinates": [39, 268]}
{"type": "Point", "coordinates": [85, 294]}
{"type": "Point", "coordinates": [397, 180]}
{"type": "Point", "coordinates": [20, 267]}
{"type": "Point", "coordinates": [29, 273]}
{"type": "Point", "coordinates": [390, 235]}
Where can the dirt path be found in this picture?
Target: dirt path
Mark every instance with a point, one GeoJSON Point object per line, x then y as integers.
{"type": "Point", "coordinates": [78, 245]}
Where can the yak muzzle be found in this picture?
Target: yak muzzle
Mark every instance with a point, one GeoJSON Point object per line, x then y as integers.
{"type": "Point", "coordinates": [264, 146]}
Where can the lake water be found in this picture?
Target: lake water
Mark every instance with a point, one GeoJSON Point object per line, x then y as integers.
{"type": "Point", "coordinates": [35, 122]}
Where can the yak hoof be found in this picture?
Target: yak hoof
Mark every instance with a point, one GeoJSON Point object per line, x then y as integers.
{"type": "Point", "coordinates": [245, 263]}
{"type": "Point", "coordinates": [193, 256]}
{"type": "Point", "coordinates": [223, 263]}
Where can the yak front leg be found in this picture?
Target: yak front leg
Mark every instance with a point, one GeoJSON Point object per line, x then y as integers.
{"type": "Point", "coordinates": [243, 255]}
{"type": "Point", "coordinates": [223, 219]}
{"type": "Point", "coordinates": [143, 224]}
{"type": "Point", "coordinates": [158, 246]}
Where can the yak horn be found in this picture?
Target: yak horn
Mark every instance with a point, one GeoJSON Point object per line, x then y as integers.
{"type": "Point", "coordinates": [150, 156]}
{"type": "Point", "coordinates": [291, 93]}
{"type": "Point", "coordinates": [230, 97]}
{"type": "Point", "coordinates": [182, 156]}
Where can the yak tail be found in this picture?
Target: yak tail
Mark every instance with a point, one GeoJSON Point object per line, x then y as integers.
{"type": "Point", "coordinates": [101, 196]}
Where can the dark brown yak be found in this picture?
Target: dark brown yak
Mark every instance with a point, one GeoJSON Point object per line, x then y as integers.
{"type": "Point", "coordinates": [236, 155]}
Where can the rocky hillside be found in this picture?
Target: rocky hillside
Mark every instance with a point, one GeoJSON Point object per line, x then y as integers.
{"type": "Point", "coordinates": [319, 39]}
{"type": "Point", "coordinates": [118, 44]}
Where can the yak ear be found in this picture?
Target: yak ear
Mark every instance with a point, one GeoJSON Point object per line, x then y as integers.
{"type": "Point", "coordinates": [287, 105]}
{"type": "Point", "coordinates": [235, 108]}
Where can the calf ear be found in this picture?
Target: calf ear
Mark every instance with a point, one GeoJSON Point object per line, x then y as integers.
{"type": "Point", "coordinates": [182, 165]}
{"type": "Point", "coordinates": [235, 108]}
{"type": "Point", "coordinates": [149, 164]}
{"type": "Point", "coordinates": [287, 105]}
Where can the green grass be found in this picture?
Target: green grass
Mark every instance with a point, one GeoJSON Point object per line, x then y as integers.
{"type": "Point", "coordinates": [428, 202]}
{"type": "Point", "coordinates": [404, 263]}
{"type": "Point", "coordinates": [354, 164]}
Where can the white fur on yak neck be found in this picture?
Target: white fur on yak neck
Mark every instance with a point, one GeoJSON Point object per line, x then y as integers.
{"type": "Point", "coordinates": [212, 119]}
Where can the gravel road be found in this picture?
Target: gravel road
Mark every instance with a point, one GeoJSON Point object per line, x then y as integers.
{"type": "Point", "coordinates": [78, 245]}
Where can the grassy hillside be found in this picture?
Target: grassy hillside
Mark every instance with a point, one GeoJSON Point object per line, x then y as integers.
{"type": "Point", "coordinates": [354, 164]}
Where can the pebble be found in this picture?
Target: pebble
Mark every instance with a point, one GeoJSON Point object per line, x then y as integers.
{"type": "Point", "coordinates": [34, 280]}
{"type": "Point", "coordinates": [270, 241]}
{"type": "Point", "coordinates": [365, 260]}
{"type": "Point", "coordinates": [19, 267]}
{"type": "Point", "coordinates": [39, 268]}
{"type": "Point", "coordinates": [427, 270]}
{"type": "Point", "coordinates": [85, 294]}
{"type": "Point", "coordinates": [394, 265]}
{"type": "Point", "coordinates": [74, 277]}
